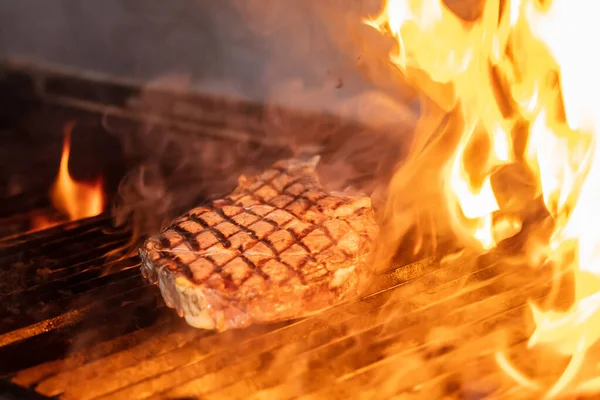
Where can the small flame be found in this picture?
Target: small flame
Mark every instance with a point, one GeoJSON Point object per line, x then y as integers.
{"type": "Point", "coordinates": [520, 72]}
{"type": "Point", "coordinates": [76, 200]}
{"type": "Point", "coordinates": [41, 221]}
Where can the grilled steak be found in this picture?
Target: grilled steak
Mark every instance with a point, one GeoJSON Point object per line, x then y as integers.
{"type": "Point", "coordinates": [278, 247]}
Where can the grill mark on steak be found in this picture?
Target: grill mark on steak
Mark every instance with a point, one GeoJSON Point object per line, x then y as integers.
{"type": "Point", "coordinates": [290, 184]}
{"type": "Point", "coordinates": [221, 213]}
{"type": "Point", "coordinates": [263, 218]}
{"type": "Point", "coordinates": [270, 221]}
{"type": "Point", "coordinates": [188, 237]}
{"type": "Point", "coordinates": [250, 232]}
{"type": "Point", "coordinates": [229, 283]}
{"type": "Point", "coordinates": [187, 272]}
{"type": "Point", "coordinates": [254, 267]}
{"type": "Point", "coordinates": [198, 220]}
{"type": "Point", "coordinates": [268, 183]}
{"type": "Point", "coordinates": [164, 242]}
{"type": "Point", "coordinates": [296, 239]}
{"type": "Point", "coordinates": [299, 243]}
{"type": "Point", "coordinates": [339, 204]}
{"type": "Point", "coordinates": [267, 242]}
{"type": "Point", "coordinates": [322, 208]}
{"type": "Point", "coordinates": [277, 255]}
{"type": "Point", "coordinates": [332, 243]}
{"type": "Point", "coordinates": [183, 267]}
{"type": "Point", "coordinates": [218, 234]}
{"type": "Point", "coordinates": [302, 196]}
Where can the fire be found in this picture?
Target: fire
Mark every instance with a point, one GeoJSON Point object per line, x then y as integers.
{"type": "Point", "coordinates": [520, 73]}
{"type": "Point", "coordinates": [75, 200]}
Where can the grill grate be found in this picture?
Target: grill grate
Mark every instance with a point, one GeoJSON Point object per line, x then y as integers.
{"type": "Point", "coordinates": [110, 334]}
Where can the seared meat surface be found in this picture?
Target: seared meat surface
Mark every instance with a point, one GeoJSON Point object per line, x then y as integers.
{"type": "Point", "coordinates": [278, 247]}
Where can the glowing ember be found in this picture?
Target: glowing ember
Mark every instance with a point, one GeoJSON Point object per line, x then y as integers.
{"type": "Point", "coordinates": [75, 200]}
{"type": "Point", "coordinates": [520, 73]}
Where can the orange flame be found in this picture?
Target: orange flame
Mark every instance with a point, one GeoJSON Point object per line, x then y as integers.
{"type": "Point", "coordinates": [520, 71]}
{"type": "Point", "coordinates": [40, 222]}
{"type": "Point", "coordinates": [75, 199]}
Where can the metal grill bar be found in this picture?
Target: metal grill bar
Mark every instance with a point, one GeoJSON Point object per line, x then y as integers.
{"type": "Point", "coordinates": [62, 285]}
{"type": "Point", "coordinates": [99, 321]}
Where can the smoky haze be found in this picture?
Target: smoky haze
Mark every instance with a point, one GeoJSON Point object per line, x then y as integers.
{"type": "Point", "coordinates": [311, 53]}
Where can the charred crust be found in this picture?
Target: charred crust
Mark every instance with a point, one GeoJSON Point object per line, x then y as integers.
{"type": "Point", "coordinates": [229, 284]}
{"type": "Point", "coordinates": [216, 267]}
{"type": "Point", "coordinates": [290, 184]}
{"type": "Point", "coordinates": [197, 219]}
{"type": "Point", "coordinates": [340, 203]}
{"type": "Point", "coordinates": [218, 234]}
{"type": "Point", "coordinates": [297, 241]}
{"type": "Point", "coordinates": [185, 270]}
{"type": "Point", "coordinates": [254, 267]}
{"type": "Point", "coordinates": [163, 241]}
{"type": "Point", "coordinates": [190, 238]}
{"type": "Point", "coordinates": [270, 221]}
{"type": "Point", "coordinates": [166, 255]}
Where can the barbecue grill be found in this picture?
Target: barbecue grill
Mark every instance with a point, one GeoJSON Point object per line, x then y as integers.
{"type": "Point", "coordinates": [78, 321]}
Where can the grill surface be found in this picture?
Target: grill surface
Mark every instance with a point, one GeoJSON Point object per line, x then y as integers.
{"type": "Point", "coordinates": [82, 335]}
{"type": "Point", "coordinates": [78, 323]}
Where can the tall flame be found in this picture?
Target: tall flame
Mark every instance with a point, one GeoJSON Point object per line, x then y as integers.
{"type": "Point", "coordinates": [521, 71]}
{"type": "Point", "coordinates": [75, 199]}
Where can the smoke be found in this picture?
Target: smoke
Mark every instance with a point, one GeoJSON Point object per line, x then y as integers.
{"type": "Point", "coordinates": [174, 168]}
{"type": "Point", "coordinates": [323, 89]}
{"type": "Point", "coordinates": [320, 56]}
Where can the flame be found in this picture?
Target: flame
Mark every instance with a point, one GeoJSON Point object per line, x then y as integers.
{"type": "Point", "coordinates": [76, 200]}
{"type": "Point", "coordinates": [520, 71]}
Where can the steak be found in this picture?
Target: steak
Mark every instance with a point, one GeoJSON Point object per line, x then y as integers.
{"type": "Point", "coordinates": [278, 247]}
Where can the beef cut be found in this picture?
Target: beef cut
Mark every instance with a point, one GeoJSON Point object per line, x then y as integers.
{"type": "Point", "coordinates": [278, 247]}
